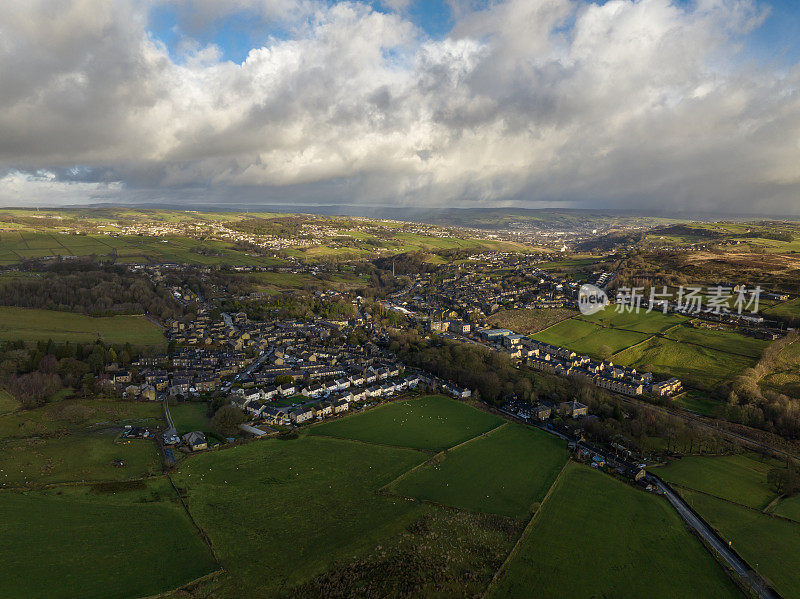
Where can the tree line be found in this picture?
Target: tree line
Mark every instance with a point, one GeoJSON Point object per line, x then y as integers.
{"type": "Point", "coordinates": [88, 288]}
{"type": "Point", "coordinates": [34, 374]}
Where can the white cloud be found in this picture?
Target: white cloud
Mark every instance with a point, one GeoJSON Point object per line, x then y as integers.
{"type": "Point", "coordinates": [626, 103]}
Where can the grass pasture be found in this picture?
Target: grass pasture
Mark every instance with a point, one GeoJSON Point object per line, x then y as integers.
{"type": "Point", "coordinates": [33, 325]}
{"type": "Point", "coordinates": [738, 478]}
{"type": "Point", "coordinates": [504, 472]}
{"type": "Point", "coordinates": [7, 402]}
{"type": "Point", "coordinates": [790, 309]}
{"type": "Point", "coordinates": [16, 246]}
{"type": "Point", "coordinates": [660, 343]}
{"type": "Point", "coordinates": [597, 537]}
{"type": "Point", "coordinates": [442, 553]}
{"type": "Point", "coordinates": [726, 341]}
{"type": "Point", "coordinates": [696, 366]}
{"type": "Point", "coordinates": [699, 402]}
{"type": "Point", "coordinates": [189, 417]}
{"type": "Point", "coordinates": [53, 547]}
{"type": "Point", "coordinates": [432, 422]}
{"type": "Point", "coordinates": [79, 415]}
{"type": "Point", "coordinates": [79, 457]}
{"type": "Point", "coordinates": [300, 506]}
{"type": "Point", "coordinates": [769, 544]}
{"type": "Point", "coordinates": [569, 265]}
{"type": "Point", "coordinates": [642, 322]}
{"type": "Point", "coordinates": [788, 507]}
{"type": "Point", "coordinates": [587, 338]}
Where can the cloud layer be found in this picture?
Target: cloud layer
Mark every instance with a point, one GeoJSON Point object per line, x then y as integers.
{"type": "Point", "coordinates": [632, 103]}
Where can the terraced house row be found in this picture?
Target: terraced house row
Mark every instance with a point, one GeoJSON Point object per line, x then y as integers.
{"type": "Point", "coordinates": [565, 362]}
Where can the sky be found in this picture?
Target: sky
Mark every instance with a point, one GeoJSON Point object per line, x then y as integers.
{"type": "Point", "coordinates": [660, 105]}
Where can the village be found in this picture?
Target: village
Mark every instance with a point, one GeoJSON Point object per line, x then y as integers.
{"type": "Point", "coordinates": [288, 372]}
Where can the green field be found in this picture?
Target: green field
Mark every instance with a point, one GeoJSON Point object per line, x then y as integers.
{"type": "Point", "coordinates": [727, 341]}
{"type": "Point", "coordinates": [587, 338]}
{"type": "Point", "coordinates": [738, 478]}
{"type": "Point", "coordinates": [16, 246]}
{"type": "Point", "coordinates": [790, 309]}
{"type": "Point", "coordinates": [695, 366]}
{"type": "Point", "coordinates": [7, 402]}
{"type": "Point", "coordinates": [597, 537]}
{"type": "Point", "coordinates": [275, 281]}
{"type": "Point", "coordinates": [769, 544]}
{"type": "Point", "coordinates": [699, 402]}
{"type": "Point", "coordinates": [432, 422]}
{"type": "Point", "coordinates": [788, 507]}
{"type": "Point", "coordinates": [79, 415]}
{"type": "Point", "coordinates": [642, 321]}
{"type": "Point", "coordinates": [190, 417]}
{"type": "Point", "coordinates": [442, 553]}
{"type": "Point", "coordinates": [504, 472]}
{"type": "Point", "coordinates": [78, 457]}
{"type": "Point", "coordinates": [659, 343]}
{"type": "Point", "coordinates": [33, 325]}
{"type": "Point", "coordinates": [279, 512]}
{"type": "Point", "coordinates": [71, 546]}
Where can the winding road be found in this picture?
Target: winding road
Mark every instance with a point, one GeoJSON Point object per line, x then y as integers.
{"type": "Point", "coordinates": [748, 576]}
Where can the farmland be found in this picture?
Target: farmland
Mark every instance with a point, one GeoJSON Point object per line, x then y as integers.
{"type": "Point", "coordinates": [266, 281]}
{"type": "Point", "coordinates": [256, 499]}
{"type": "Point", "coordinates": [431, 422]}
{"type": "Point", "coordinates": [726, 341]}
{"type": "Point", "coordinates": [190, 417]}
{"type": "Point", "coordinates": [642, 322]}
{"type": "Point", "coordinates": [16, 246]}
{"type": "Point", "coordinates": [587, 338]}
{"type": "Point", "coordinates": [696, 366]}
{"type": "Point", "coordinates": [788, 310]}
{"type": "Point", "coordinates": [665, 344]}
{"type": "Point", "coordinates": [72, 415]}
{"type": "Point", "coordinates": [75, 457]}
{"type": "Point", "coordinates": [788, 507]}
{"type": "Point", "coordinates": [442, 553]}
{"type": "Point", "coordinates": [75, 440]}
{"type": "Point", "coordinates": [74, 546]}
{"type": "Point", "coordinates": [739, 478]}
{"type": "Point", "coordinates": [468, 477]}
{"type": "Point", "coordinates": [769, 542]}
{"type": "Point", "coordinates": [266, 491]}
{"type": "Point", "coordinates": [33, 325]}
{"type": "Point", "coordinates": [594, 532]}
{"type": "Point", "coordinates": [7, 402]}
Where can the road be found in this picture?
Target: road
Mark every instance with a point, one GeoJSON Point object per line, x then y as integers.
{"type": "Point", "coordinates": [737, 564]}
{"type": "Point", "coordinates": [247, 371]}
{"type": "Point", "coordinates": [171, 430]}
{"type": "Point", "coordinates": [748, 576]}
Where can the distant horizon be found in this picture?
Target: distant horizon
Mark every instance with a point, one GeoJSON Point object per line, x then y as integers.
{"type": "Point", "coordinates": [375, 210]}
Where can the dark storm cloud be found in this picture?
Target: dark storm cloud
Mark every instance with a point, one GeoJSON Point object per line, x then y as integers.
{"type": "Point", "coordinates": [629, 104]}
